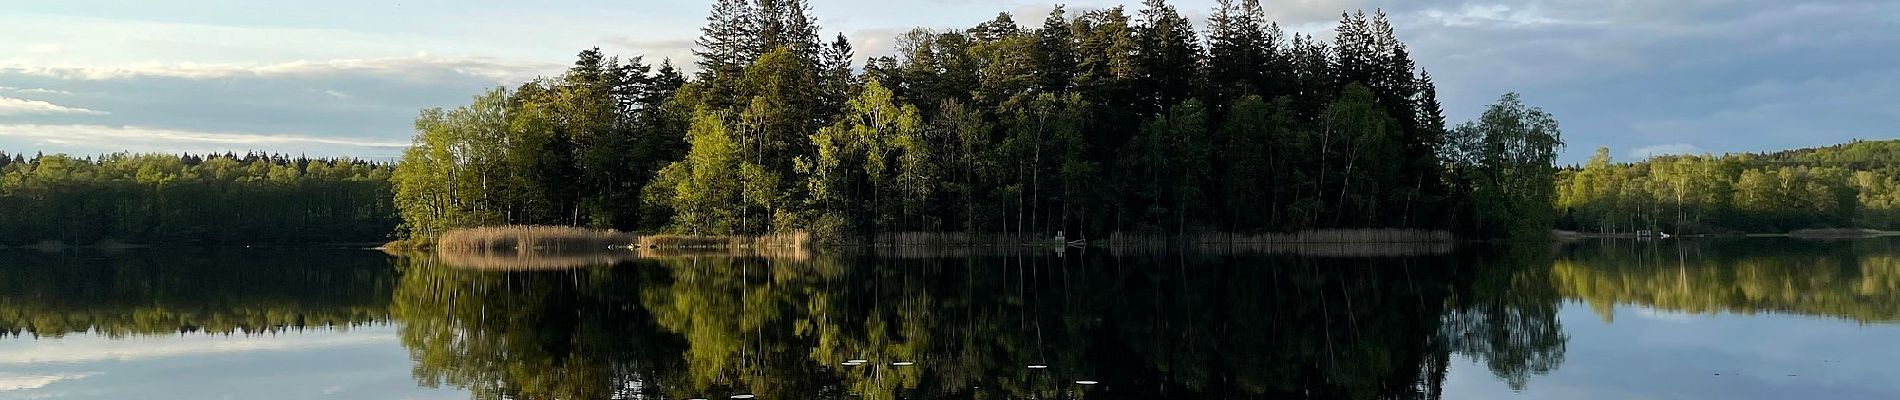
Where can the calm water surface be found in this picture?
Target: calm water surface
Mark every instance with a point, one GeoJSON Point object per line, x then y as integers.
{"type": "Point", "coordinates": [1755, 318]}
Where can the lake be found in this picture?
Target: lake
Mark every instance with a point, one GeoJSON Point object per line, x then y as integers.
{"type": "Point", "coordinates": [1717, 319]}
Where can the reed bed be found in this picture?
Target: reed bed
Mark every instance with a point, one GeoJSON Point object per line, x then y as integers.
{"type": "Point", "coordinates": [1319, 243]}
{"type": "Point", "coordinates": [776, 253]}
{"type": "Point", "coordinates": [531, 238]}
{"type": "Point", "coordinates": [1847, 233]}
{"type": "Point", "coordinates": [776, 240]}
{"type": "Point", "coordinates": [963, 251]}
{"type": "Point", "coordinates": [509, 260]}
{"type": "Point", "coordinates": [1343, 250]}
{"type": "Point", "coordinates": [954, 239]}
{"type": "Point", "coordinates": [1307, 236]}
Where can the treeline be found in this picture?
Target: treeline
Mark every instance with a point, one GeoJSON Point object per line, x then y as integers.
{"type": "Point", "coordinates": [209, 199]}
{"type": "Point", "coordinates": [1095, 122]}
{"type": "Point", "coordinates": [1855, 185]}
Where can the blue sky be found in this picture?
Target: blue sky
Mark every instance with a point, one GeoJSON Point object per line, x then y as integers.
{"type": "Point", "coordinates": [346, 77]}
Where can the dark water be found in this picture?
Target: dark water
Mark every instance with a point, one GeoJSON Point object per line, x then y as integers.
{"type": "Point", "coordinates": [1756, 318]}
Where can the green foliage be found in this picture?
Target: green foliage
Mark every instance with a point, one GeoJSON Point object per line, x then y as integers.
{"type": "Point", "coordinates": [874, 158]}
{"type": "Point", "coordinates": [1852, 185]}
{"type": "Point", "coordinates": [1094, 123]}
{"type": "Point", "coordinates": [1507, 158]}
{"type": "Point", "coordinates": [210, 199]}
{"type": "Point", "coordinates": [577, 150]}
{"type": "Point", "coordinates": [707, 192]}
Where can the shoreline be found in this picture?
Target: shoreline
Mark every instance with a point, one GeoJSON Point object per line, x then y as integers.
{"type": "Point", "coordinates": [1849, 233]}
{"type": "Point", "coordinates": [800, 240]}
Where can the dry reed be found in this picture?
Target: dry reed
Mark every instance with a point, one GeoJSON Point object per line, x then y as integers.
{"type": "Point", "coordinates": [531, 238]}
{"type": "Point", "coordinates": [775, 240]}
{"type": "Point", "coordinates": [954, 239]}
{"type": "Point", "coordinates": [508, 260]}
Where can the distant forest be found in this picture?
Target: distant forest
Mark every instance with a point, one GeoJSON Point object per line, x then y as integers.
{"type": "Point", "coordinates": [1091, 122]}
{"type": "Point", "coordinates": [1850, 185]}
{"type": "Point", "coordinates": [208, 199]}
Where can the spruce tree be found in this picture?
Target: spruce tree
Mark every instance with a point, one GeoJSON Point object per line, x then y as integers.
{"type": "Point", "coordinates": [1168, 54]}
{"type": "Point", "coordinates": [725, 43]}
{"type": "Point", "coordinates": [1055, 52]}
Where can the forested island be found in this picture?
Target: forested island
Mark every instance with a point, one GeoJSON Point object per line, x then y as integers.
{"type": "Point", "coordinates": [1090, 123]}
{"type": "Point", "coordinates": [1102, 121]}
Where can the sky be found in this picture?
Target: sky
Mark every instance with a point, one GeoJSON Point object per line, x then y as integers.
{"type": "Point", "coordinates": [347, 77]}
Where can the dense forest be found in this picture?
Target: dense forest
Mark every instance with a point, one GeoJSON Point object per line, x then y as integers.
{"type": "Point", "coordinates": [1093, 122]}
{"type": "Point", "coordinates": [1854, 185]}
{"type": "Point", "coordinates": [207, 199]}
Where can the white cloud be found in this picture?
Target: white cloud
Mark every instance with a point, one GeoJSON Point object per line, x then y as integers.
{"type": "Point", "coordinates": [11, 106]}
{"type": "Point", "coordinates": [1645, 152]}
{"type": "Point", "coordinates": [43, 91]}
{"type": "Point", "coordinates": [141, 138]}
{"type": "Point", "coordinates": [1665, 315]}
{"type": "Point", "coordinates": [95, 349]}
{"type": "Point", "coordinates": [1493, 14]}
{"type": "Point", "coordinates": [417, 66]}
{"type": "Point", "coordinates": [25, 382]}
{"type": "Point", "coordinates": [336, 94]}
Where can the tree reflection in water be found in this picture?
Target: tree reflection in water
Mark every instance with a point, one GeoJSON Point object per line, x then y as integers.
{"type": "Point", "coordinates": [1856, 280]}
{"type": "Point", "coordinates": [971, 324]}
{"type": "Point", "coordinates": [1148, 326]}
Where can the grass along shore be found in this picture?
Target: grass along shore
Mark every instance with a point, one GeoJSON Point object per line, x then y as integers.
{"type": "Point", "coordinates": [1828, 233]}
{"type": "Point", "coordinates": [558, 239]}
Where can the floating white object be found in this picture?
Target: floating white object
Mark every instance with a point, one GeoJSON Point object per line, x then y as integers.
{"type": "Point", "coordinates": [1038, 366]}
{"type": "Point", "coordinates": [1086, 382]}
{"type": "Point", "coordinates": [854, 361]}
{"type": "Point", "coordinates": [903, 363]}
{"type": "Point", "coordinates": [742, 396]}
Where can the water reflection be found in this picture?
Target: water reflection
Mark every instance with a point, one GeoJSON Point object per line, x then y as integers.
{"type": "Point", "coordinates": [1853, 280]}
{"type": "Point", "coordinates": [191, 290]}
{"type": "Point", "coordinates": [1017, 326]}
{"type": "Point", "coordinates": [944, 325]}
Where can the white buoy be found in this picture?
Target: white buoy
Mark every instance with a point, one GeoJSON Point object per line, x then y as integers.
{"type": "Point", "coordinates": [742, 396]}
{"type": "Point", "coordinates": [903, 363]}
{"type": "Point", "coordinates": [1038, 366]}
{"type": "Point", "coordinates": [1086, 382]}
{"type": "Point", "coordinates": [854, 361]}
